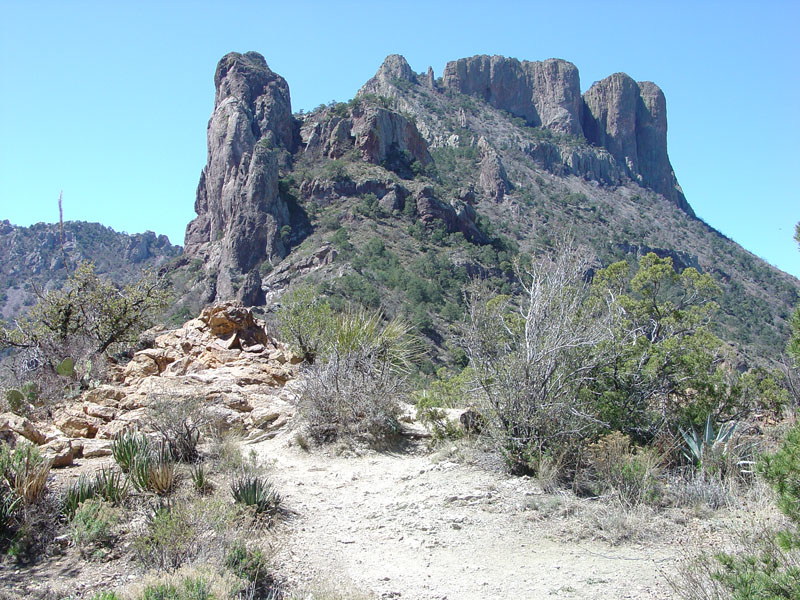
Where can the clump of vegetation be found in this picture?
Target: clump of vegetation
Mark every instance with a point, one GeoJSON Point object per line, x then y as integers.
{"type": "Point", "coordinates": [25, 471]}
{"type": "Point", "coordinates": [256, 491]}
{"type": "Point", "coordinates": [769, 566]}
{"type": "Point", "coordinates": [91, 527]}
{"type": "Point", "coordinates": [127, 447]}
{"type": "Point", "coordinates": [359, 375]}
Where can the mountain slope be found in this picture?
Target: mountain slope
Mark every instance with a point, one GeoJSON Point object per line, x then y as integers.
{"type": "Point", "coordinates": [32, 256]}
{"type": "Point", "coordinates": [401, 195]}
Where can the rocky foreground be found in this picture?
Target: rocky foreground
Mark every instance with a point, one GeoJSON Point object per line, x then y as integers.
{"type": "Point", "coordinates": [224, 360]}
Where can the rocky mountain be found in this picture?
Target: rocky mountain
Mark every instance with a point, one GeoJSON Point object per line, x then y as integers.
{"type": "Point", "coordinates": [33, 256]}
{"type": "Point", "coordinates": [399, 196]}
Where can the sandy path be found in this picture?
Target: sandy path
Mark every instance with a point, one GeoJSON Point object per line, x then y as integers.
{"type": "Point", "coordinates": [403, 525]}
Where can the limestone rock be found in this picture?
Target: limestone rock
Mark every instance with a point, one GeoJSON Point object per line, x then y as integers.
{"type": "Point", "coordinates": [239, 210]}
{"type": "Point", "coordinates": [106, 413]}
{"type": "Point", "coordinates": [96, 448]}
{"type": "Point", "coordinates": [76, 424]}
{"type": "Point", "coordinates": [15, 424]}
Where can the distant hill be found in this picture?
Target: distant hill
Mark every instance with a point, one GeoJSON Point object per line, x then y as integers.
{"type": "Point", "coordinates": [32, 256]}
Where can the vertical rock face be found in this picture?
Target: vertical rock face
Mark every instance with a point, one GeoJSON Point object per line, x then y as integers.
{"type": "Point", "coordinates": [626, 118]}
{"type": "Point", "coordinates": [546, 94]}
{"type": "Point", "coordinates": [239, 211]}
{"type": "Point", "coordinates": [629, 119]}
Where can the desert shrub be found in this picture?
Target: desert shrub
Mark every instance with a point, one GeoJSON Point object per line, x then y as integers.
{"type": "Point", "coordinates": [84, 488]}
{"type": "Point", "coordinates": [8, 505]}
{"type": "Point", "coordinates": [25, 471]}
{"type": "Point", "coordinates": [354, 386]}
{"type": "Point", "coordinates": [169, 537]}
{"type": "Point", "coordinates": [88, 316]}
{"type": "Point", "coordinates": [630, 473]}
{"type": "Point", "coordinates": [253, 566]}
{"type": "Point", "coordinates": [304, 321]}
{"type": "Point", "coordinates": [155, 471]}
{"type": "Point", "coordinates": [769, 564]}
{"type": "Point", "coordinates": [192, 583]}
{"type": "Point", "coordinates": [256, 491]}
{"type": "Point", "coordinates": [533, 354]}
{"type": "Point", "coordinates": [110, 485]}
{"type": "Point", "coordinates": [91, 526]}
{"type": "Point", "coordinates": [178, 421]}
{"type": "Point", "coordinates": [200, 480]}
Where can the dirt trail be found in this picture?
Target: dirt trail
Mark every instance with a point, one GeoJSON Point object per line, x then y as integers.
{"type": "Point", "coordinates": [417, 526]}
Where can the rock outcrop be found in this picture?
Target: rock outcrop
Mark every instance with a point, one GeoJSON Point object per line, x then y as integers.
{"type": "Point", "coordinates": [626, 118]}
{"type": "Point", "coordinates": [239, 210]}
{"type": "Point", "coordinates": [629, 119]}
{"type": "Point", "coordinates": [544, 93]}
{"type": "Point", "coordinates": [394, 69]}
{"type": "Point", "coordinates": [381, 136]}
{"type": "Point", "coordinates": [224, 360]}
{"type": "Point", "coordinates": [493, 179]}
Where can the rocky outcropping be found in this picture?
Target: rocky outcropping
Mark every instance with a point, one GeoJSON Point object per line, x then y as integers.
{"type": "Point", "coordinates": [394, 69]}
{"type": "Point", "coordinates": [458, 215]}
{"type": "Point", "coordinates": [492, 179]}
{"type": "Point", "coordinates": [381, 136]}
{"type": "Point", "coordinates": [544, 93]}
{"type": "Point", "coordinates": [626, 118]}
{"type": "Point", "coordinates": [224, 360]}
{"type": "Point", "coordinates": [239, 210]}
{"type": "Point", "coordinates": [629, 119]}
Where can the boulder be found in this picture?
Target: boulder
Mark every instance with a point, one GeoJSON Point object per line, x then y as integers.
{"type": "Point", "coordinates": [59, 451]}
{"type": "Point", "coordinates": [11, 423]}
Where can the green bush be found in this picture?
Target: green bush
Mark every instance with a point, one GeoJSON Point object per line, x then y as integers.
{"type": "Point", "coordinates": [770, 566]}
{"type": "Point", "coordinates": [24, 470]}
{"type": "Point", "coordinates": [78, 492]}
{"type": "Point", "coordinates": [91, 526]}
{"type": "Point", "coordinates": [127, 446]}
{"type": "Point", "coordinates": [169, 538]}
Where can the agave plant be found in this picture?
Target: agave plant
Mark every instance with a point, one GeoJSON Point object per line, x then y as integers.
{"type": "Point", "coordinates": [110, 484]}
{"type": "Point", "coordinates": [80, 490]}
{"type": "Point", "coordinates": [127, 447]}
{"type": "Point", "coordinates": [200, 478]}
{"type": "Point", "coordinates": [8, 504]}
{"type": "Point", "coordinates": [255, 491]}
{"type": "Point", "coordinates": [700, 444]}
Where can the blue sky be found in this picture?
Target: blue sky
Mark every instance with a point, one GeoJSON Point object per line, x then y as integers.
{"type": "Point", "coordinates": [109, 101]}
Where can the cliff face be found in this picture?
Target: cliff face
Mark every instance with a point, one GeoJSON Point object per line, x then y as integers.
{"type": "Point", "coordinates": [626, 118]}
{"type": "Point", "coordinates": [237, 203]}
{"type": "Point", "coordinates": [544, 93]}
{"type": "Point", "coordinates": [629, 119]}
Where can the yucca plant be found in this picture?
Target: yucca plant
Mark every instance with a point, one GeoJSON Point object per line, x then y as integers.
{"type": "Point", "coordinates": [25, 470]}
{"type": "Point", "coordinates": [8, 504]}
{"type": "Point", "coordinates": [154, 472]}
{"type": "Point", "coordinates": [200, 478]}
{"type": "Point", "coordinates": [110, 484]}
{"type": "Point", "coordinates": [701, 444]}
{"type": "Point", "coordinates": [127, 446]}
{"type": "Point", "coordinates": [256, 491]}
{"type": "Point", "coordinates": [80, 490]}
